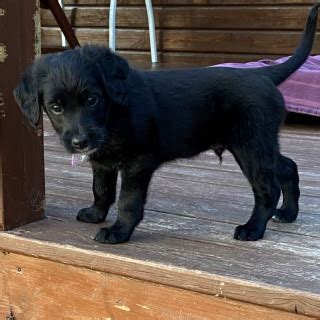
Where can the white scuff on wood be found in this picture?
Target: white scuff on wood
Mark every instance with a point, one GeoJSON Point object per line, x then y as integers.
{"type": "Point", "coordinates": [123, 308]}
{"type": "Point", "coordinates": [143, 307]}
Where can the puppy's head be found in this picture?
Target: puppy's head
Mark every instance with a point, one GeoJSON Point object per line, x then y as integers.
{"type": "Point", "coordinates": [77, 89]}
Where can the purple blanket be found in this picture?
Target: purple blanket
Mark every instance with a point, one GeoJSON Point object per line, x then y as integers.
{"type": "Point", "coordinates": [301, 91]}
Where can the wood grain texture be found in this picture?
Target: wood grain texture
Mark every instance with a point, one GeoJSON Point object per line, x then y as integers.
{"type": "Point", "coordinates": [21, 146]}
{"type": "Point", "coordinates": [172, 60]}
{"type": "Point", "coordinates": [170, 275]}
{"type": "Point", "coordinates": [256, 18]}
{"type": "Point", "coordinates": [213, 41]}
{"type": "Point", "coordinates": [185, 240]}
{"type": "Point", "coordinates": [35, 288]}
{"type": "Point", "coordinates": [190, 32]}
{"type": "Point", "coordinates": [126, 39]}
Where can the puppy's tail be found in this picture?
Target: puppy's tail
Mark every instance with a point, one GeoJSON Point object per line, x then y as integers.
{"type": "Point", "coordinates": [279, 73]}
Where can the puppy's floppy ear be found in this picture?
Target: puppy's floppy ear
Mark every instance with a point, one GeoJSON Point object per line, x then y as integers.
{"type": "Point", "coordinates": [114, 71]}
{"type": "Point", "coordinates": [27, 97]}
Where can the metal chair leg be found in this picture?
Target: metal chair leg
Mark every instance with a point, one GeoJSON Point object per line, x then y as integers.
{"type": "Point", "coordinates": [63, 38]}
{"type": "Point", "coordinates": [112, 24]}
{"type": "Point", "coordinates": [152, 32]}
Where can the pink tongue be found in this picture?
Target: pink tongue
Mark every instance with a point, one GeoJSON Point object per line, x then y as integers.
{"type": "Point", "coordinates": [73, 160]}
{"type": "Point", "coordinates": [78, 159]}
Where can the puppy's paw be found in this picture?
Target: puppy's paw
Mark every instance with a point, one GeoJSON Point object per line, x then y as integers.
{"type": "Point", "coordinates": [248, 233]}
{"type": "Point", "coordinates": [114, 234]}
{"type": "Point", "coordinates": [285, 215]}
{"type": "Point", "coordinates": [91, 215]}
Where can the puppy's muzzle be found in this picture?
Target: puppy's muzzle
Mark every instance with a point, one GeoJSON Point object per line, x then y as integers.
{"type": "Point", "coordinates": [80, 143]}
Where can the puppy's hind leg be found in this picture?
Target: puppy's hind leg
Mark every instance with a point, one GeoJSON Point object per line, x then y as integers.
{"type": "Point", "coordinates": [104, 191]}
{"type": "Point", "coordinates": [259, 167]}
{"type": "Point", "coordinates": [288, 178]}
{"type": "Point", "coordinates": [132, 199]}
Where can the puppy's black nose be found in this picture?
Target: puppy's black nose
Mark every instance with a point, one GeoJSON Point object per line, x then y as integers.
{"type": "Point", "coordinates": [80, 142]}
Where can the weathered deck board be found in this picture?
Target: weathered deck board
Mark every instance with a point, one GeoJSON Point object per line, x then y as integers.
{"type": "Point", "coordinates": [193, 174]}
{"type": "Point", "coordinates": [186, 240]}
{"type": "Point", "coordinates": [18, 269]}
{"type": "Point", "coordinates": [87, 294]}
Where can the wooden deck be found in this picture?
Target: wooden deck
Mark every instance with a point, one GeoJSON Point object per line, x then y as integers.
{"type": "Point", "coordinates": [182, 262]}
{"type": "Point", "coordinates": [184, 243]}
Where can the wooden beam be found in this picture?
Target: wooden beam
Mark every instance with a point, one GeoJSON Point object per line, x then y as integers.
{"type": "Point", "coordinates": [35, 288]}
{"type": "Point", "coordinates": [196, 41]}
{"type": "Point", "coordinates": [122, 261]}
{"type": "Point", "coordinates": [197, 17]}
{"type": "Point", "coordinates": [21, 146]}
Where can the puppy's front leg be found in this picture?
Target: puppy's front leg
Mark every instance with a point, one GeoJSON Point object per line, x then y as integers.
{"type": "Point", "coordinates": [133, 196]}
{"type": "Point", "coordinates": [104, 191]}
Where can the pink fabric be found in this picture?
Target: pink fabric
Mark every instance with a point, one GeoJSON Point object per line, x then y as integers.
{"type": "Point", "coordinates": [301, 90]}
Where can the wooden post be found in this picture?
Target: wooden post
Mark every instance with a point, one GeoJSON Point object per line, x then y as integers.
{"type": "Point", "coordinates": [21, 146]}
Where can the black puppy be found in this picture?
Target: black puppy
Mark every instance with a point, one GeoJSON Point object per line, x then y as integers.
{"type": "Point", "coordinates": [133, 121]}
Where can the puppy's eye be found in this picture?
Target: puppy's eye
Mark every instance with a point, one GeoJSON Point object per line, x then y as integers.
{"type": "Point", "coordinates": [91, 100]}
{"type": "Point", "coordinates": [56, 108]}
